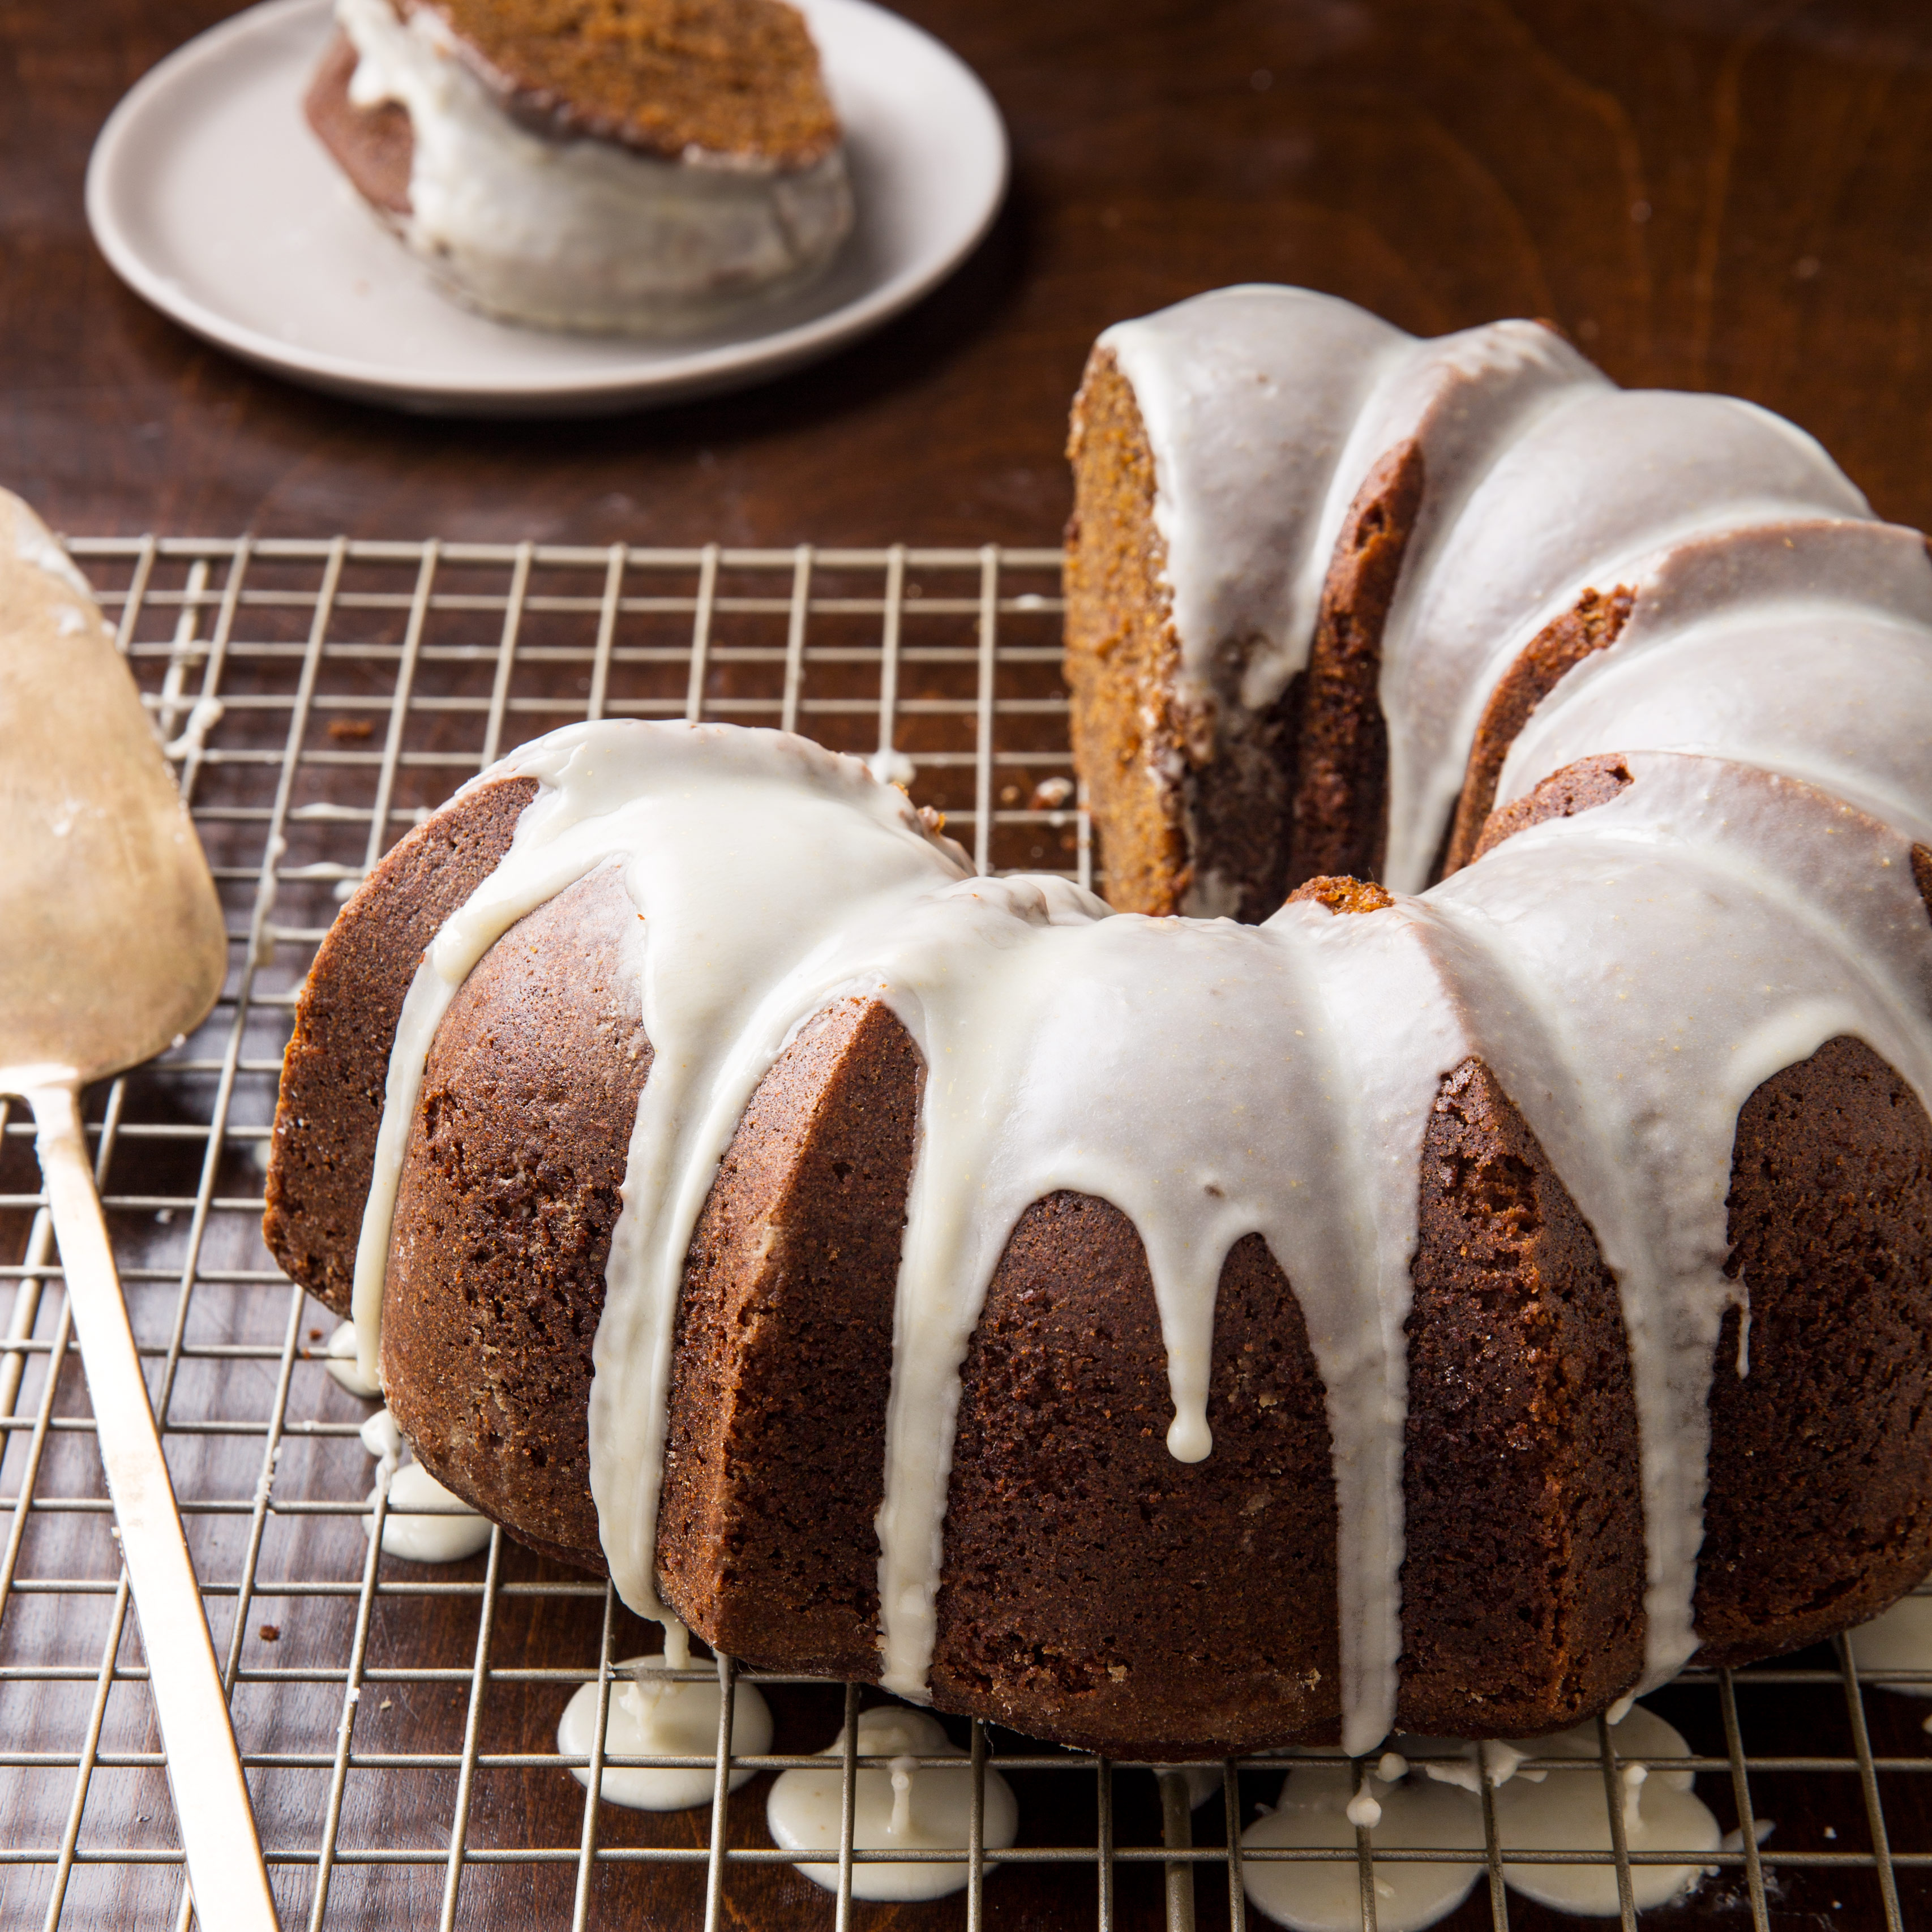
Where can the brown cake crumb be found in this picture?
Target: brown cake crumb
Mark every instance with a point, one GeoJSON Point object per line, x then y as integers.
{"type": "Point", "coordinates": [1342, 894]}
{"type": "Point", "coordinates": [1122, 650]}
{"type": "Point", "coordinates": [1194, 794]}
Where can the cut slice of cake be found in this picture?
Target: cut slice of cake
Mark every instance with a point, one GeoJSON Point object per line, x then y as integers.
{"type": "Point", "coordinates": [625, 167]}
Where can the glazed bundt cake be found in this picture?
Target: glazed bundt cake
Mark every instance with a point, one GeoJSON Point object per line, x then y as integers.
{"type": "Point", "coordinates": [1452, 1306]}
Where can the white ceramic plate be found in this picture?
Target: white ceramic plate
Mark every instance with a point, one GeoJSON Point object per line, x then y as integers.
{"type": "Point", "coordinates": [210, 198]}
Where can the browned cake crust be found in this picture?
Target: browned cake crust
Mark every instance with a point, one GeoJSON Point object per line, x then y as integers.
{"type": "Point", "coordinates": [738, 77]}
{"type": "Point", "coordinates": [373, 146]}
{"type": "Point", "coordinates": [510, 1188]}
{"type": "Point", "coordinates": [774, 1462]}
{"type": "Point", "coordinates": [1522, 1589]}
{"type": "Point", "coordinates": [509, 1191]}
{"type": "Point", "coordinates": [338, 1062]}
{"type": "Point", "coordinates": [1338, 814]}
{"type": "Point", "coordinates": [1522, 1581]}
{"type": "Point", "coordinates": [1592, 624]}
{"type": "Point", "coordinates": [1589, 781]}
{"type": "Point", "coordinates": [1821, 1456]}
{"type": "Point", "coordinates": [1095, 1590]}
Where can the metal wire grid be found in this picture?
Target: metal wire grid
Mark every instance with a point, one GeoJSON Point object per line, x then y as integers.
{"type": "Point", "coordinates": [317, 697]}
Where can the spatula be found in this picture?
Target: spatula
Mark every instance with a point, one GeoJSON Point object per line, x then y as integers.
{"type": "Point", "coordinates": [111, 947]}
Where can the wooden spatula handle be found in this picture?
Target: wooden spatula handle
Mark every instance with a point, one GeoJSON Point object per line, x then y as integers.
{"type": "Point", "coordinates": [218, 1827]}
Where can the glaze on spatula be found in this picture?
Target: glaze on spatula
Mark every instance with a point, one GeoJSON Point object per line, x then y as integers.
{"type": "Point", "coordinates": [111, 945]}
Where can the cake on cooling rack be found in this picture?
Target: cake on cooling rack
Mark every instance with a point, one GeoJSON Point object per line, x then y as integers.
{"type": "Point", "coordinates": [628, 166]}
{"type": "Point", "coordinates": [1444, 1305]}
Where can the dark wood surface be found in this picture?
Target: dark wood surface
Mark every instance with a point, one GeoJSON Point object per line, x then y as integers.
{"type": "Point", "coordinates": [1720, 193]}
{"type": "Point", "coordinates": [1707, 193]}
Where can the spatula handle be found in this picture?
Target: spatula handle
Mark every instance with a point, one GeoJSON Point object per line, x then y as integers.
{"type": "Point", "coordinates": [218, 1827]}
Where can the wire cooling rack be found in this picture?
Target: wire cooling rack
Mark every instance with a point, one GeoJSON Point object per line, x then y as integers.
{"type": "Point", "coordinates": [398, 1722]}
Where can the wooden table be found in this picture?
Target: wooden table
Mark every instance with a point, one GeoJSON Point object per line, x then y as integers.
{"type": "Point", "coordinates": [1727, 194]}
{"type": "Point", "coordinates": [1704, 193]}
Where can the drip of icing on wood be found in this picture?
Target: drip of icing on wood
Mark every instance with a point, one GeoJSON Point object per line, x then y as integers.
{"type": "Point", "coordinates": [652, 1715]}
{"type": "Point", "coordinates": [1569, 1811]}
{"type": "Point", "coordinates": [904, 1805]}
{"type": "Point", "coordinates": [453, 1531]}
{"type": "Point", "coordinates": [1319, 1808]}
{"type": "Point", "coordinates": [1901, 1639]}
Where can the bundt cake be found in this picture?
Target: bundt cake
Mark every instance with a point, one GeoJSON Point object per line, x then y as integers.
{"type": "Point", "coordinates": [642, 167]}
{"type": "Point", "coordinates": [1454, 1306]}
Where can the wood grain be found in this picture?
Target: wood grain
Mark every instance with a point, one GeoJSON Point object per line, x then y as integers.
{"type": "Point", "coordinates": [1704, 193]}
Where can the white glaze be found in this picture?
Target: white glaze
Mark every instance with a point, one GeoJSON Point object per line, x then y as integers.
{"type": "Point", "coordinates": [454, 1531]}
{"type": "Point", "coordinates": [382, 1438]}
{"type": "Point", "coordinates": [1899, 1639]}
{"type": "Point", "coordinates": [1543, 480]}
{"type": "Point", "coordinates": [902, 1805]}
{"type": "Point", "coordinates": [343, 1366]}
{"type": "Point", "coordinates": [652, 1716]}
{"type": "Point", "coordinates": [1636, 1731]}
{"type": "Point", "coordinates": [1465, 1762]}
{"type": "Point", "coordinates": [754, 857]}
{"type": "Point", "coordinates": [1319, 1810]}
{"type": "Point", "coordinates": [1607, 475]}
{"type": "Point", "coordinates": [583, 234]}
{"type": "Point", "coordinates": [1265, 409]}
{"type": "Point", "coordinates": [1569, 1811]}
{"type": "Point", "coordinates": [1248, 395]}
{"type": "Point", "coordinates": [1733, 635]}
{"type": "Point", "coordinates": [772, 877]}
{"type": "Point", "coordinates": [1064, 1035]}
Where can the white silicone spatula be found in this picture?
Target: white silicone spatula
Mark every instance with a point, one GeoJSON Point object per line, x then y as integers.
{"type": "Point", "coordinates": [111, 945]}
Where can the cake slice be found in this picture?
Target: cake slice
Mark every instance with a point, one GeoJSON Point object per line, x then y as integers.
{"type": "Point", "coordinates": [632, 166]}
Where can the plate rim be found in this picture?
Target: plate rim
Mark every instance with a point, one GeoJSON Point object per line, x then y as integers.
{"type": "Point", "coordinates": [702, 371]}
